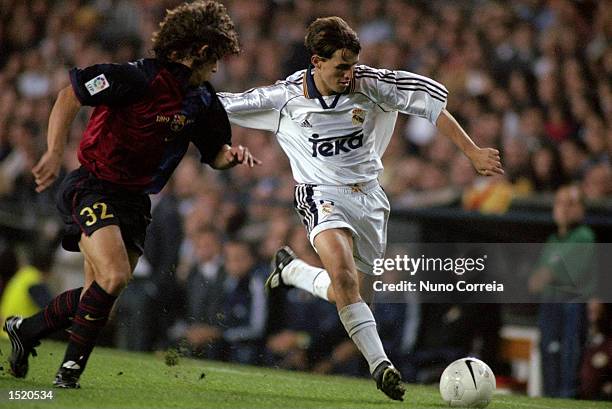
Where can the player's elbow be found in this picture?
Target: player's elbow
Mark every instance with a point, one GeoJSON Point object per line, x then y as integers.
{"type": "Point", "coordinates": [221, 161]}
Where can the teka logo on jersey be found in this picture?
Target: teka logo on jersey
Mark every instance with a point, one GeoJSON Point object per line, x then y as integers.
{"type": "Point", "coordinates": [336, 144]}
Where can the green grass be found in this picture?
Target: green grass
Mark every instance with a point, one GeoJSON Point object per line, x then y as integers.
{"type": "Point", "coordinates": [118, 379]}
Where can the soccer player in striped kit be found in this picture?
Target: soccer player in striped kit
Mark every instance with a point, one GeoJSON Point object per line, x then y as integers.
{"type": "Point", "coordinates": [334, 121]}
{"type": "Point", "coordinates": [146, 113]}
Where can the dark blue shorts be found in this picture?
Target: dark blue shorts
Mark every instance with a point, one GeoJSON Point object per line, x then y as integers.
{"type": "Point", "coordinates": [87, 204]}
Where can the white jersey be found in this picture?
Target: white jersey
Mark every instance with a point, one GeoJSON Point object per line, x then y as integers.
{"type": "Point", "coordinates": [337, 139]}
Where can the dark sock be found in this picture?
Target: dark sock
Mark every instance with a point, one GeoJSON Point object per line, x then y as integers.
{"type": "Point", "coordinates": [55, 316]}
{"type": "Point", "coordinates": [91, 316]}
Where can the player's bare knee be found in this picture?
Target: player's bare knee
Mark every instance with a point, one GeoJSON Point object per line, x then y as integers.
{"type": "Point", "coordinates": [113, 282]}
{"type": "Point", "coordinates": [345, 283]}
{"type": "Point", "coordinates": [113, 277]}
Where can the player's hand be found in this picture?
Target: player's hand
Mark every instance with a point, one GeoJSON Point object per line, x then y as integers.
{"type": "Point", "coordinates": [236, 155]}
{"type": "Point", "coordinates": [486, 161]}
{"type": "Point", "coordinates": [46, 170]}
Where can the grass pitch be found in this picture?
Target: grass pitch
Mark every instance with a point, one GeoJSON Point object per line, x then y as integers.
{"type": "Point", "coordinates": [118, 379]}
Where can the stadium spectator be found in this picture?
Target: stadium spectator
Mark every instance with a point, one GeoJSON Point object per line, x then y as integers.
{"type": "Point", "coordinates": [8, 263]}
{"type": "Point", "coordinates": [596, 369]}
{"type": "Point", "coordinates": [563, 276]}
{"type": "Point", "coordinates": [27, 291]}
{"type": "Point", "coordinates": [597, 183]}
{"type": "Point", "coordinates": [242, 323]}
{"type": "Point", "coordinates": [574, 160]}
{"type": "Point", "coordinates": [203, 295]}
{"type": "Point", "coordinates": [545, 162]}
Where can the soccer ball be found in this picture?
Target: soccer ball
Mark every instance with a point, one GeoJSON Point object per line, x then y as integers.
{"type": "Point", "coordinates": [467, 382]}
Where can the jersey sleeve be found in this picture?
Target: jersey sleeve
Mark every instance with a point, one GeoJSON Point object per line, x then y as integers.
{"type": "Point", "coordinates": [402, 91]}
{"type": "Point", "coordinates": [257, 108]}
{"type": "Point", "coordinates": [214, 128]}
{"type": "Point", "coordinates": [108, 84]}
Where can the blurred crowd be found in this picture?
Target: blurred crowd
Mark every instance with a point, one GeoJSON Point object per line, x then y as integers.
{"type": "Point", "coordinates": [530, 77]}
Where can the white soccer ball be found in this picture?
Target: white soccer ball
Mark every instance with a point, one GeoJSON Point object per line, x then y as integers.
{"type": "Point", "coordinates": [467, 382]}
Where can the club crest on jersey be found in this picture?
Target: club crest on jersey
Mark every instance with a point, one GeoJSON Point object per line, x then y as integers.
{"type": "Point", "coordinates": [326, 207]}
{"type": "Point", "coordinates": [335, 145]}
{"type": "Point", "coordinates": [178, 122]}
{"type": "Point", "coordinates": [358, 116]}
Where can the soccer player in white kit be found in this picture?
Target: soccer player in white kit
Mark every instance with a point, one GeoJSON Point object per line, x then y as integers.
{"type": "Point", "coordinates": [334, 121]}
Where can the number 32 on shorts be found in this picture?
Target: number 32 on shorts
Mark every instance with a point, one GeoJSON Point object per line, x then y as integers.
{"type": "Point", "coordinates": [90, 213]}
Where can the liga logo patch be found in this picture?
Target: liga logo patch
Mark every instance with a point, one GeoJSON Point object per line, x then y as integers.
{"type": "Point", "coordinates": [100, 83]}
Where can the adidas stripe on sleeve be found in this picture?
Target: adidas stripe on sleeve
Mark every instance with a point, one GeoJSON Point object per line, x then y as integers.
{"type": "Point", "coordinates": [402, 91]}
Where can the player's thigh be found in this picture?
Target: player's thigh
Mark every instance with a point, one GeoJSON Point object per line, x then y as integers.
{"type": "Point", "coordinates": [335, 248]}
{"type": "Point", "coordinates": [105, 250]}
{"type": "Point", "coordinates": [90, 275]}
{"type": "Point", "coordinates": [371, 231]}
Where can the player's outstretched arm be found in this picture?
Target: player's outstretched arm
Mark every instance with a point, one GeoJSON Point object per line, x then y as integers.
{"type": "Point", "coordinates": [62, 115]}
{"type": "Point", "coordinates": [486, 161]}
{"type": "Point", "coordinates": [230, 156]}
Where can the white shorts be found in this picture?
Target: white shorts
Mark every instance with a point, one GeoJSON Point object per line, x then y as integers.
{"type": "Point", "coordinates": [361, 208]}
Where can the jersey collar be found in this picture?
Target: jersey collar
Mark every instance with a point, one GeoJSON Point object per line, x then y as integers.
{"type": "Point", "coordinates": [311, 91]}
{"type": "Point", "coordinates": [181, 72]}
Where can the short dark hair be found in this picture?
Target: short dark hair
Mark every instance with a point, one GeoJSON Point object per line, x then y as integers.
{"type": "Point", "coordinates": [190, 26]}
{"type": "Point", "coordinates": [327, 34]}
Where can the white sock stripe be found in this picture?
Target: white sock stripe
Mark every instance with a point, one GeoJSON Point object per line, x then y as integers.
{"type": "Point", "coordinates": [360, 324]}
{"type": "Point", "coordinates": [314, 280]}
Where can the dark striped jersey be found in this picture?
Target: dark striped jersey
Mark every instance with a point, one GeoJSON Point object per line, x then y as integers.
{"type": "Point", "coordinates": [145, 115]}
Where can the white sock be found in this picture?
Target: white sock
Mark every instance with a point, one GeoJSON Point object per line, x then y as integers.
{"type": "Point", "coordinates": [358, 321]}
{"type": "Point", "coordinates": [312, 279]}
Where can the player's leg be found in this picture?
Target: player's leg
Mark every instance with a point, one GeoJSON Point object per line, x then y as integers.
{"type": "Point", "coordinates": [315, 280]}
{"type": "Point", "coordinates": [107, 256]}
{"type": "Point", "coordinates": [288, 270]}
{"type": "Point", "coordinates": [26, 333]}
{"type": "Point", "coordinates": [335, 247]}
{"type": "Point", "coordinates": [89, 270]}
